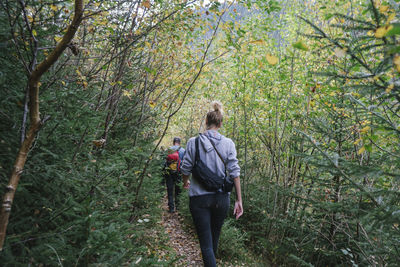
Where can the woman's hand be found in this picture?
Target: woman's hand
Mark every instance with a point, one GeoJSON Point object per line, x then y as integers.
{"type": "Point", "coordinates": [186, 184]}
{"type": "Point", "coordinates": [238, 210]}
{"type": "Point", "coordinates": [186, 181]}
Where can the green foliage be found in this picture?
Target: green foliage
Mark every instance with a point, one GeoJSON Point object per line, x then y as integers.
{"type": "Point", "coordinates": [232, 242]}
{"type": "Point", "coordinates": [316, 134]}
{"type": "Point", "coordinates": [312, 105]}
{"type": "Point", "coordinates": [82, 198]}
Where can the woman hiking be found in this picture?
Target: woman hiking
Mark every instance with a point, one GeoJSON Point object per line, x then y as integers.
{"type": "Point", "coordinates": [209, 201]}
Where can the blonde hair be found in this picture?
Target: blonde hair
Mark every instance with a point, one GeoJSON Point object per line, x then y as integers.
{"type": "Point", "coordinates": [215, 115]}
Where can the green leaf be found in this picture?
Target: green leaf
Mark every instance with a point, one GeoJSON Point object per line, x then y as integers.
{"type": "Point", "coordinates": [374, 138]}
{"type": "Point", "coordinates": [394, 31]}
{"type": "Point", "coordinates": [150, 70]}
{"type": "Point", "coordinates": [328, 16]}
{"type": "Point", "coordinates": [368, 147]}
{"type": "Point", "coordinates": [395, 49]}
{"type": "Point", "coordinates": [300, 45]}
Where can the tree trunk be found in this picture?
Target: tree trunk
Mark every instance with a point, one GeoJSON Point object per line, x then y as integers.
{"type": "Point", "coordinates": [35, 122]}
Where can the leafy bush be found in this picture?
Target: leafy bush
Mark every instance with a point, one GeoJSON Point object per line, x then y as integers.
{"type": "Point", "coordinates": [232, 242]}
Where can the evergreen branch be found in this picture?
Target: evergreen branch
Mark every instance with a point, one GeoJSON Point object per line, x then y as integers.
{"type": "Point", "coordinates": [316, 28]}
{"type": "Point", "coordinates": [352, 28]}
{"type": "Point", "coordinates": [311, 36]}
{"type": "Point", "coordinates": [336, 165]}
{"type": "Point", "coordinates": [90, 192]}
{"type": "Point", "coordinates": [58, 257]}
{"type": "Point", "coordinates": [335, 75]}
{"type": "Point", "coordinates": [391, 124]}
{"type": "Point", "coordinates": [382, 149]}
{"type": "Point", "coordinates": [376, 13]}
{"type": "Point", "coordinates": [354, 20]}
{"type": "Point", "coordinates": [368, 47]}
{"type": "Point", "coordinates": [349, 51]}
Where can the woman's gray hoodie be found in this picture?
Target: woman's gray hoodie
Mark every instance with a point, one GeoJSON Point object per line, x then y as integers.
{"type": "Point", "coordinates": [226, 149]}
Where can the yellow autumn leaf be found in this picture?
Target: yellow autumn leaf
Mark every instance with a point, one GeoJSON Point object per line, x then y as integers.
{"type": "Point", "coordinates": [260, 64]}
{"type": "Point", "coordinates": [58, 39]}
{"type": "Point", "coordinates": [63, 83]}
{"type": "Point", "coordinates": [361, 150]}
{"type": "Point", "coordinates": [85, 84]}
{"type": "Point", "coordinates": [34, 32]}
{"type": "Point", "coordinates": [391, 17]}
{"type": "Point", "coordinates": [152, 104]}
{"type": "Point", "coordinates": [365, 129]}
{"type": "Point", "coordinates": [357, 141]}
{"type": "Point", "coordinates": [257, 42]}
{"type": "Point", "coordinates": [383, 8]}
{"type": "Point", "coordinates": [381, 31]}
{"type": "Point", "coordinates": [53, 7]}
{"type": "Point", "coordinates": [389, 88]}
{"type": "Point", "coordinates": [30, 19]}
{"type": "Point", "coordinates": [126, 93]}
{"type": "Point", "coordinates": [272, 59]}
{"type": "Point", "coordinates": [396, 62]}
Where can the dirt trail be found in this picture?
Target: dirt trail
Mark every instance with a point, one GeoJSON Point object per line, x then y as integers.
{"type": "Point", "coordinates": [183, 242]}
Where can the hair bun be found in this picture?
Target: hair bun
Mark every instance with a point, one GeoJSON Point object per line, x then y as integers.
{"type": "Point", "coordinates": [217, 106]}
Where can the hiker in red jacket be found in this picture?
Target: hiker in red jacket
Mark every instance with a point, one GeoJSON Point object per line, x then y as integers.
{"type": "Point", "coordinates": [172, 173]}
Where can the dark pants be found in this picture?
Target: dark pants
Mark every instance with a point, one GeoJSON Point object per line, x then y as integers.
{"type": "Point", "coordinates": [208, 213]}
{"type": "Point", "coordinates": [172, 182]}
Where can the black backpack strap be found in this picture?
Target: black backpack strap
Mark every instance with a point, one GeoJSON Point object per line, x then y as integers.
{"type": "Point", "coordinates": [197, 156]}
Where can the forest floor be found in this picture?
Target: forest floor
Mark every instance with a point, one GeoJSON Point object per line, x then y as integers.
{"type": "Point", "coordinates": [183, 239]}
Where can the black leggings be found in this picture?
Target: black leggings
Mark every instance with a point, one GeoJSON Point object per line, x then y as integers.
{"type": "Point", "coordinates": [173, 190]}
{"type": "Point", "coordinates": [208, 213]}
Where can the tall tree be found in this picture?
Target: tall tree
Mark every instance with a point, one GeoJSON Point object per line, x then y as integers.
{"type": "Point", "coordinates": [35, 121]}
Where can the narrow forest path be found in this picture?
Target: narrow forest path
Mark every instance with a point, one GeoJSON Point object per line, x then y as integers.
{"type": "Point", "coordinates": [183, 241]}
